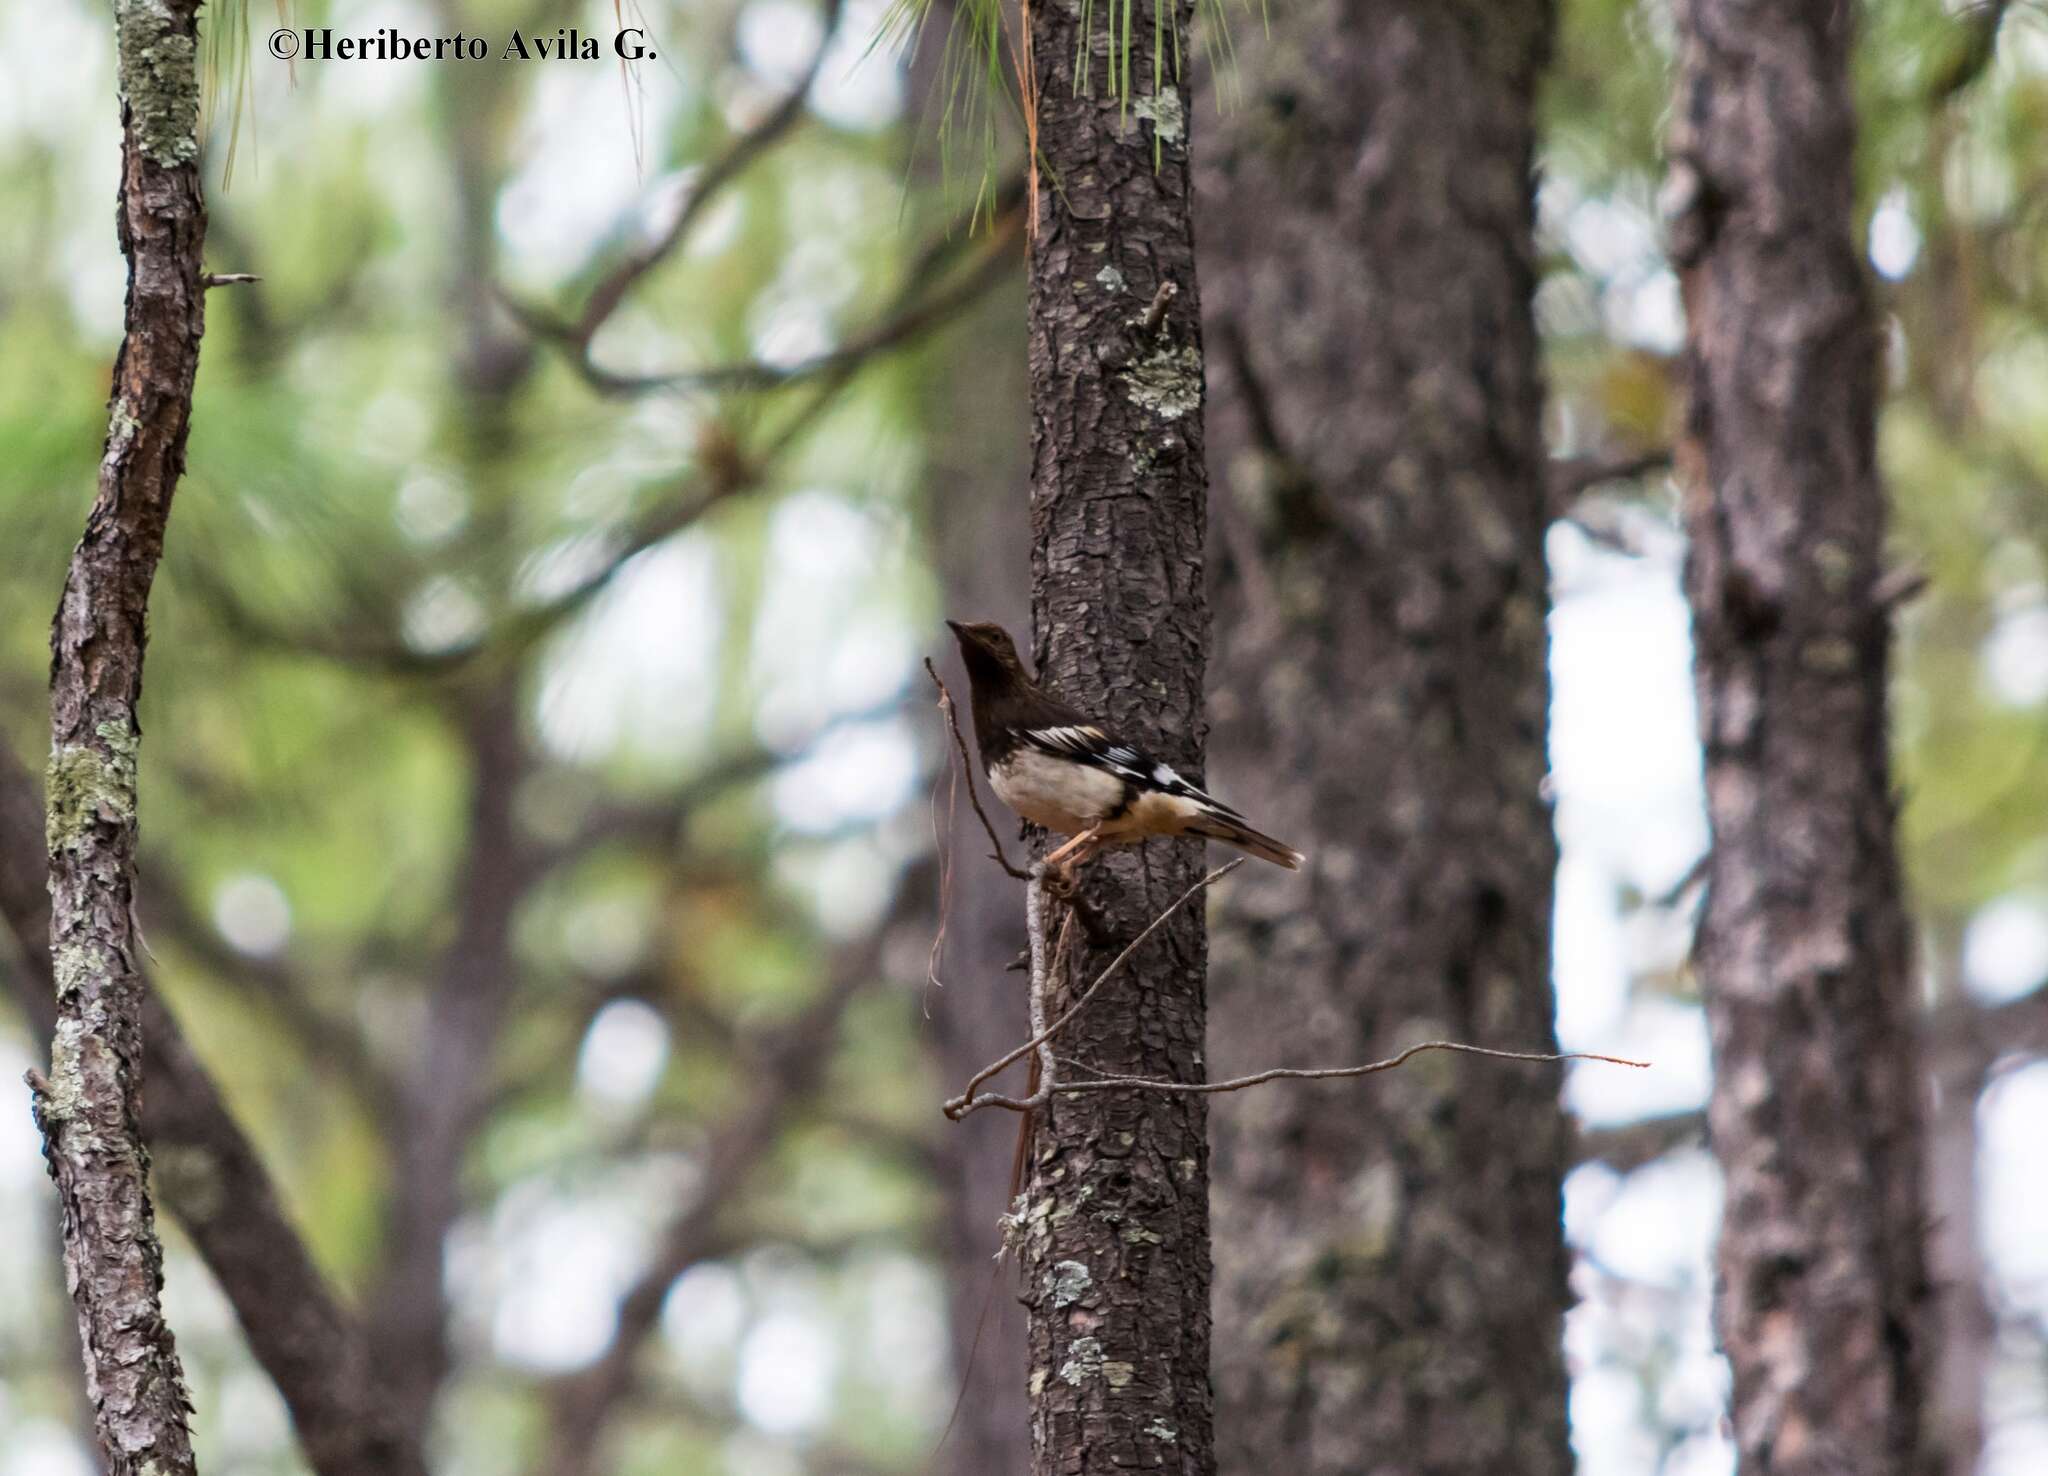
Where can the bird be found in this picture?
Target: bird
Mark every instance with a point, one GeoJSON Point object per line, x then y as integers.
{"type": "Point", "coordinates": [1059, 768]}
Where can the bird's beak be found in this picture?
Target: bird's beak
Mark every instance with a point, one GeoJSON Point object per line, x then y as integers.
{"type": "Point", "coordinates": [957, 629]}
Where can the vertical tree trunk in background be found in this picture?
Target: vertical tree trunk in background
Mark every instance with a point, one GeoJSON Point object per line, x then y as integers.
{"type": "Point", "coordinates": [90, 1108]}
{"type": "Point", "coordinates": [978, 465]}
{"type": "Point", "coordinates": [465, 1014]}
{"type": "Point", "coordinates": [976, 448]}
{"type": "Point", "coordinates": [1804, 951]}
{"type": "Point", "coordinates": [1391, 1275]}
{"type": "Point", "coordinates": [491, 363]}
{"type": "Point", "coordinates": [1115, 1252]}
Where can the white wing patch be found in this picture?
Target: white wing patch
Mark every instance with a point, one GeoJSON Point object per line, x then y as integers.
{"type": "Point", "coordinates": [1147, 775]}
{"type": "Point", "coordinates": [1070, 737]}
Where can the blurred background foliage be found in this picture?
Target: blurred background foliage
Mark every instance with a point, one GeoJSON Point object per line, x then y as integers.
{"type": "Point", "coordinates": [423, 570]}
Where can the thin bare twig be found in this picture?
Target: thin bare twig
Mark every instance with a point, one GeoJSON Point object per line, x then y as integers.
{"type": "Point", "coordinates": [1155, 313]}
{"type": "Point", "coordinates": [1328, 1073]}
{"type": "Point", "coordinates": [1695, 874]}
{"type": "Point", "coordinates": [1043, 1033]}
{"type": "Point", "coordinates": [946, 705]}
{"type": "Point", "coordinates": [1900, 585]}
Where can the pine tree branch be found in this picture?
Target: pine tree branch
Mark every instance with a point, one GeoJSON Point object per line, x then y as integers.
{"type": "Point", "coordinates": [89, 1109]}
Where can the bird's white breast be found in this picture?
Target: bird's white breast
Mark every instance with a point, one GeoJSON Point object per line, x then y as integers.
{"type": "Point", "coordinates": [1059, 794]}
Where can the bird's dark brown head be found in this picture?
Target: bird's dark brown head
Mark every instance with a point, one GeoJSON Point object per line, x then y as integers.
{"type": "Point", "coordinates": [990, 654]}
{"type": "Point", "coordinates": [1004, 697]}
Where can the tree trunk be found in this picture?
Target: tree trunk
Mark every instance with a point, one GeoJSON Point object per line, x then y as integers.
{"type": "Point", "coordinates": [1115, 1251]}
{"type": "Point", "coordinates": [490, 364]}
{"type": "Point", "coordinates": [90, 1108]}
{"type": "Point", "coordinates": [408, 1323]}
{"type": "Point", "coordinates": [1806, 961]}
{"type": "Point", "coordinates": [1391, 1275]}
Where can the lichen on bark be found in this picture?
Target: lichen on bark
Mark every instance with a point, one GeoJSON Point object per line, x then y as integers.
{"type": "Point", "coordinates": [89, 1110]}
{"type": "Point", "coordinates": [1167, 381]}
{"type": "Point", "coordinates": [1166, 115]}
{"type": "Point", "coordinates": [159, 80]}
{"type": "Point", "coordinates": [86, 785]}
{"type": "Point", "coordinates": [1120, 619]}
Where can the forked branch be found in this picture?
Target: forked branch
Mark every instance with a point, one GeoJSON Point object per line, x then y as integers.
{"type": "Point", "coordinates": [1043, 1033]}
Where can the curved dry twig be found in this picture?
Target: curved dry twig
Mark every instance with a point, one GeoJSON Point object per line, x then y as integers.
{"type": "Point", "coordinates": [1329, 1073]}
{"type": "Point", "coordinates": [946, 706]}
{"type": "Point", "coordinates": [967, 1101]}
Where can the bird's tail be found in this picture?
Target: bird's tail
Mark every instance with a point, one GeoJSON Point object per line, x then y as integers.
{"type": "Point", "coordinates": [1232, 833]}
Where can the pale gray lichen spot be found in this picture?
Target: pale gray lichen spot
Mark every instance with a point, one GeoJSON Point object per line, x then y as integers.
{"type": "Point", "coordinates": [1160, 1430]}
{"type": "Point", "coordinates": [84, 785]}
{"type": "Point", "coordinates": [1164, 113]}
{"type": "Point", "coordinates": [1168, 382]}
{"type": "Point", "coordinates": [73, 965]}
{"type": "Point", "coordinates": [67, 1075]}
{"type": "Point", "coordinates": [1835, 565]}
{"type": "Point", "coordinates": [122, 428]}
{"type": "Point", "coordinates": [1067, 1282]}
{"type": "Point", "coordinates": [1118, 1375]}
{"type": "Point", "coordinates": [1084, 1361]}
{"type": "Point", "coordinates": [1139, 1235]}
{"type": "Point", "coordinates": [1111, 279]}
{"type": "Point", "coordinates": [159, 81]}
{"type": "Point", "coordinates": [1829, 654]}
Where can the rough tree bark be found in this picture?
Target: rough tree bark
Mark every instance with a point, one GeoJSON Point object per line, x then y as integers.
{"type": "Point", "coordinates": [1391, 1275]}
{"type": "Point", "coordinates": [1115, 1236]}
{"type": "Point", "coordinates": [1804, 951]}
{"type": "Point", "coordinates": [89, 1109]}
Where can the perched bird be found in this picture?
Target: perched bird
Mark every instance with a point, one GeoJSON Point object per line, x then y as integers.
{"type": "Point", "coordinates": [1056, 768]}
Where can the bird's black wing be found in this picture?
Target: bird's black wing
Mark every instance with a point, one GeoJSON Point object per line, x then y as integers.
{"type": "Point", "coordinates": [1088, 744]}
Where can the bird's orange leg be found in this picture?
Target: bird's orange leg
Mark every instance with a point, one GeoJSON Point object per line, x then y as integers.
{"type": "Point", "coordinates": [1079, 844]}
